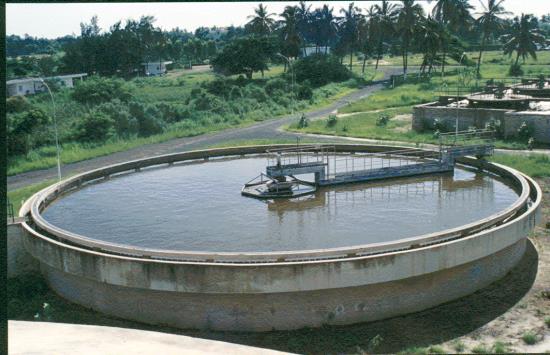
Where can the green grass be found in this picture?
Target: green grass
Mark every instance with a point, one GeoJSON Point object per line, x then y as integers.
{"type": "Point", "coordinates": [19, 196]}
{"type": "Point", "coordinates": [480, 349]}
{"type": "Point", "coordinates": [529, 338]}
{"type": "Point", "coordinates": [155, 91]}
{"type": "Point", "coordinates": [500, 348]}
{"type": "Point", "coordinates": [534, 165]}
{"type": "Point", "coordinates": [363, 125]}
{"type": "Point", "coordinates": [459, 346]}
{"type": "Point", "coordinates": [404, 95]}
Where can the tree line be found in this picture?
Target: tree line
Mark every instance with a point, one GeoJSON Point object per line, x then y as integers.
{"type": "Point", "coordinates": [402, 28]}
{"type": "Point", "coordinates": [389, 27]}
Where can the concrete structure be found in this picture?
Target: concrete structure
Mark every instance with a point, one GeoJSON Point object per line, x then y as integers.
{"type": "Point", "coordinates": [29, 86]}
{"type": "Point", "coordinates": [277, 290]}
{"type": "Point", "coordinates": [155, 67]}
{"type": "Point", "coordinates": [60, 338]}
{"type": "Point", "coordinates": [424, 117]}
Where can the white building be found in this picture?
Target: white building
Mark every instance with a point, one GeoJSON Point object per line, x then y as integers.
{"type": "Point", "coordinates": [29, 86]}
{"type": "Point", "coordinates": [155, 68]}
{"type": "Point", "coordinates": [307, 51]}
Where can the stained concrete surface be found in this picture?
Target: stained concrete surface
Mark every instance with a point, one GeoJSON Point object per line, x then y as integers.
{"type": "Point", "coordinates": [62, 338]}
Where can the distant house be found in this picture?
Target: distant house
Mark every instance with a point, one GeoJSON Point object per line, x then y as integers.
{"type": "Point", "coordinates": [307, 51]}
{"type": "Point", "coordinates": [155, 68]}
{"type": "Point", "coordinates": [30, 86]}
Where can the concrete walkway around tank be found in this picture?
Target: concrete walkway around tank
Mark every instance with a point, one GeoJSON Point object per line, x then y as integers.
{"type": "Point", "coordinates": [62, 338]}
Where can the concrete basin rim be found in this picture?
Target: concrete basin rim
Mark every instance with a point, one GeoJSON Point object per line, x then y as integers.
{"type": "Point", "coordinates": [372, 249]}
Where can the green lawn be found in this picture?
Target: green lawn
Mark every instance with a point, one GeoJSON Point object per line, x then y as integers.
{"type": "Point", "coordinates": [363, 125]}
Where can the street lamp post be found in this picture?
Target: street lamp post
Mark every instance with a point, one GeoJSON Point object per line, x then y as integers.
{"type": "Point", "coordinates": [457, 98]}
{"type": "Point", "coordinates": [292, 81]}
{"type": "Point", "coordinates": [55, 131]}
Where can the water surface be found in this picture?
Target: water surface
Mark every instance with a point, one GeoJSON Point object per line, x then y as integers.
{"type": "Point", "coordinates": [199, 207]}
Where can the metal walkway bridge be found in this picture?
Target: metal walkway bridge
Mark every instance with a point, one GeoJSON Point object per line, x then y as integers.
{"type": "Point", "coordinates": [330, 167]}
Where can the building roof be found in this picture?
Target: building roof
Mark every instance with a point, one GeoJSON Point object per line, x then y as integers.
{"type": "Point", "coordinates": [155, 62]}
{"type": "Point", "coordinates": [27, 80]}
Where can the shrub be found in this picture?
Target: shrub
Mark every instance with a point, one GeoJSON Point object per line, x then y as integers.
{"type": "Point", "coordinates": [320, 69]}
{"type": "Point", "coordinates": [148, 118]}
{"type": "Point", "coordinates": [480, 349]}
{"type": "Point", "coordinates": [124, 124]}
{"type": "Point", "coordinates": [494, 125]}
{"type": "Point", "coordinates": [96, 90]}
{"type": "Point", "coordinates": [524, 132]}
{"type": "Point", "coordinates": [438, 125]}
{"type": "Point", "coordinates": [515, 70]}
{"type": "Point", "coordinates": [459, 346]}
{"type": "Point", "coordinates": [25, 130]}
{"type": "Point", "coordinates": [17, 104]}
{"type": "Point", "coordinates": [95, 126]}
{"type": "Point", "coordinates": [331, 121]}
{"type": "Point", "coordinates": [382, 120]}
{"type": "Point", "coordinates": [276, 84]}
{"type": "Point", "coordinates": [220, 86]}
{"type": "Point", "coordinates": [304, 91]}
{"type": "Point", "coordinates": [303, 122]}
{"type": "Point", "coordinates": [500, 348]}
{"type": "Point", "coordinates": [529, 338]}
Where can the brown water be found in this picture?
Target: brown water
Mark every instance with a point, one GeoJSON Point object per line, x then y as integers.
{"type": "Point", "coordinates": [199, 207]}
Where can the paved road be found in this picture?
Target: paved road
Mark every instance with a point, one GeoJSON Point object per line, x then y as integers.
{"type": "Point", "coordinates": [263, 130]}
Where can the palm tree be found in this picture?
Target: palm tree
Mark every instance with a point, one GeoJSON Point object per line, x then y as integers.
{"type": "Point", "coordinates": [303, 22]}
{"type": "Point", "coordinates": [453, 15]}
{"type": "Point", "coordinates": [523, 38]}
{"type": "Point", "coordinates": [261, 22]}
{"type": "Point", "coordinates": [407, 23]}
{"type": "Point", "coordinates": [386, 15]}
{"type": "Point", "coordinates": [489, 22]}
{"type": "Point", "coordinates": [430, 36]}
{"type": "Point", "coordinates": [289, 32]}
{"type": "Point", "coordinates": [323, 26]}
{"type": "Point", "coordinates": [349, 24]}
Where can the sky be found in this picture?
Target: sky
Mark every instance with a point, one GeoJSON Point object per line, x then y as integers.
{"type": "Point", "coordinates": [55, 20]}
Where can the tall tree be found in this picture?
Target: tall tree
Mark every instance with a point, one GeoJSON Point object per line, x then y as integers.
{"type": "Point", "coordinates": [323, 27]}
{"type": "Point", "coordinates": [385, 18]}
{"type": "Point", "coordinates": [407, 22]}
{"type": "Point", "coordinates": [430, 35]}
{"type": "Point", "coordinates": [452, 15]}
{"type": "Point", "coordinates": [349, 25]}
{"type": "Point", "coordinates": [261, 23]}
{"type": "Point", "coordinates": [289, 32]}
{"type": "Point", "coordinates": [523, 38]}
{"type": "Point", "coordinates": [489, 21]}
{"type": "Point", "coordinates": [303, 22]}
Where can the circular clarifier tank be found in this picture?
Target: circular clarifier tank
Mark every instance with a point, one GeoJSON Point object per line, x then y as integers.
{"type": "Point", "coordinates": [198, 207]}
{"type": "Point", "coordinates": [171, 240]}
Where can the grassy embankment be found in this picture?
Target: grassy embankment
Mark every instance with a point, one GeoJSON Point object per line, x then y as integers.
{"type": "Point", "coordinates": [171, 89]}
{"type": "Point", "coordinates": [359, 118]}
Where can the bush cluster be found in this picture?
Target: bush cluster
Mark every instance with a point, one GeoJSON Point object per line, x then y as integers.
{"type": "Point", "coordinates": [320, 69]}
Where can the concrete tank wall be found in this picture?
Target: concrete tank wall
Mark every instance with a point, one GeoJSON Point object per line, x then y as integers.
{"type": "Point", "coordinates": [283, 294]}
{"type": "Point", "coordinates": [425, 115]}
{"type": "Point", "coordinates": [20, 262]}
{"type": "Point", "coordinates": [289, 310]}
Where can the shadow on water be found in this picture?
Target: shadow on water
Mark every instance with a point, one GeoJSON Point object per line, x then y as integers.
{"type": "Point", "coordinates": [436, 325]}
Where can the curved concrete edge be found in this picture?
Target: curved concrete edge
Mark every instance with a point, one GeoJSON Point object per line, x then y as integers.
{"type": "Point", "coordinates": [289, 310]}
{"type": "Point", "coordinates": [48, 195]}
{"type": "Point", "coordinates": [61, 338]}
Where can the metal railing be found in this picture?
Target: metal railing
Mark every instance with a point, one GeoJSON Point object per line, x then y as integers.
{"type": "Point", "coordinates": [467, 138]}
